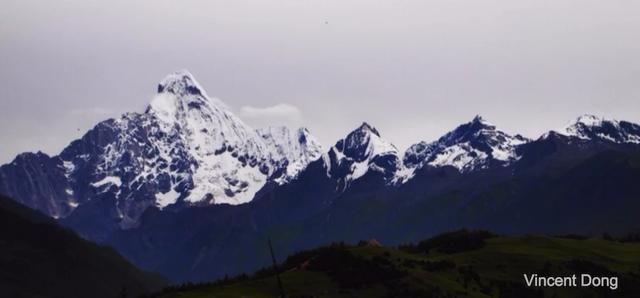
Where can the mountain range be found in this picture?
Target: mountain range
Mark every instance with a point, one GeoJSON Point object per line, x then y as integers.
{"type": "Point", "coordinates": [188, 189]}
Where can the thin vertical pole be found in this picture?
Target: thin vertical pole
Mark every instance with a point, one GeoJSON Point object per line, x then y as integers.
{"type": "Point", "coordinates": [275, 267]}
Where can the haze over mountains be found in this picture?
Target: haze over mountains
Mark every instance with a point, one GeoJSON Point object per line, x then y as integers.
{"type": "Point", "coordinates": [188, 189]}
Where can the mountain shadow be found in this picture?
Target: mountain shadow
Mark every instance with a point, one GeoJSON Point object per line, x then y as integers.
{"type": "Point", "coordinates": [39, 258]}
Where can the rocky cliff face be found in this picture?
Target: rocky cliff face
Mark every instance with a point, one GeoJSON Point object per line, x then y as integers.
{"type": "Point", "coordinates": [38, 181]}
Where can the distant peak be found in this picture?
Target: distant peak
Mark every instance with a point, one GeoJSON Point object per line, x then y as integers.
{"type": "Point", "coordinates": [180, 82]}
{"type": "Point", "coordinates": [589, 120]}
{"type": "Point", "coordinates": [576, 127]}
{"type": "Point", "coordinates": [481, 121]}
{"type": "Point", "coordinates": [365, 127]}
{"type": "Point", "coordinates": [589, 127]}
{"type": "Point", "coordinates": [477, 126]}
{"type": "Point", "coordinates": [360, 135]}
{"type": "Point", "coordinates": [363, 137]}
{"type": "Point", "coordinates": [179, 93]}
{"type": "Point", "coordinates": [477, 118]}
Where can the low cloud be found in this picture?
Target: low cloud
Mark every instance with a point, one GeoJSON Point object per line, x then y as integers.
{"type": "Point", "coordinates": [280, 114]}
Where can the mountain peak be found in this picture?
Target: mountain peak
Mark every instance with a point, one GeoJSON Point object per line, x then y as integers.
{"type": "Point", "coordinates": [179, 83]}
{"type": "Point", "coordinates": [179, 93]}
{"type": "Point", "coordinates": [473, 129]}
{"type": "Point", "coordinates": [589, 120]}
{"type": "Point", "coordinates": [581, 126]}
{"type": "Point", "coordinates": [590, 127]}
{"type": "Point", "coordinates": [361, 151]}
{"type": "Point", "coordinates": [472, 145]}
{"type": "Point", "coordinates": [367, 128]}
{"type": "Point", "coordinates": [479, 119]}
{"type": "Point", "coordinates": [479, 122]}
{"type": "Point", "coordinates": [364, 142]}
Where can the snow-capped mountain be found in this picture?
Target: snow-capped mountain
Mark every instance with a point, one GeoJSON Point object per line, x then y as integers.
{"type": "Point", "coordinates": [137, 183]}
{"type": "Point", "coordinates": [230, 161]}
{"type": "Point", "coordinates": [360, 152]}
{"type": "Point", "coordinates": [590, 127]}
{"type": "Point", "coordinates": [291, 152]}
{"type": "Point", "coordinates": [357, 189]}
{"type": "Point", "coordinates": [474, 145]}
{"type": "Point", "coordinates": [185, 149]}
{"type": "Point", "coordinates": [189, 149]}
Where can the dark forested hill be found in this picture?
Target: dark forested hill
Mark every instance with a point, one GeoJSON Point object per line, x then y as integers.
{"type": "Point", "coordinates": [38, 258]}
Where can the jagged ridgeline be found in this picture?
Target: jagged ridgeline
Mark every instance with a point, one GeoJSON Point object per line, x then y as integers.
{"type": "Point", "coordinates": [188, 189]}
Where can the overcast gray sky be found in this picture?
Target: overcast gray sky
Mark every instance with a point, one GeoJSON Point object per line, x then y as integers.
{"type": "Point", "coordinates": [413, 69]}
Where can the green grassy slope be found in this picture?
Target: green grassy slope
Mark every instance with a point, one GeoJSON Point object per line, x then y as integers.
{"type": "Point", "coordinates": [459, 264]}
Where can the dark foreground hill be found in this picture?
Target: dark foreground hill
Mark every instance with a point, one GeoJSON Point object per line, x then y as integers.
{"type": "Point", "coordinates": [458, 264]}
{"type": "Point", "coordinates": [38, 258]}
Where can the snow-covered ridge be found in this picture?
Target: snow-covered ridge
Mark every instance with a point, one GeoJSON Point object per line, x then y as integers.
{"type": "Point", "coordinates": [473, 145]}
{"type": "Point", "coordinates": [189, 149]}
{"type": "Point", "coordinates": [365, 142]}
{"type": "Point", "coordinates": [232, 161]}
{"type": "Point", "coordinates": [590, 127]}
{"type": "Point", "coordinates": [186, 148]}
{"type": "Point", "coordinates": [361, 151]}
{"type": "Point", "coordinates": [290, 151]}
{"type": "Point", "coordinates": [180, 83]}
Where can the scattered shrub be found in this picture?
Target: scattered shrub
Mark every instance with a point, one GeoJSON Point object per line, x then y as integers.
{"type": "Point", "coordinates": [452, 242]}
